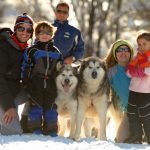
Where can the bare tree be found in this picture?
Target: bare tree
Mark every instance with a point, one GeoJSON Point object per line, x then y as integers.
{"type": "Point", "coordinates": [100, 21]}
{"type": "Point", "coordinates": [2, 9]}
{"type": "Point", "coordinates": [95, 19]}
{"type": "Point", "coordinates": [33, 8]}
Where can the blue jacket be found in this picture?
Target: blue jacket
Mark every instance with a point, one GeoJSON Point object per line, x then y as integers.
{"type": "Point", "coordinates": [36, 57]}
{"type": "Point", "coordinates": [68, 40]}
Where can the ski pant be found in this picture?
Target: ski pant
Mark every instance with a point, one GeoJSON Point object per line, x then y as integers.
{"type": "Point", "coordinates": [38, 97]}
{"type": "Point", "coordinates": [14, 127]}
{"type": "Point", "coordinates": [139, 114]}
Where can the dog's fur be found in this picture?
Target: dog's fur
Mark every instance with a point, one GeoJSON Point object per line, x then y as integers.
{"type": "Point", "coordinates": [66, 100]}
{"type": "Point", "coordinates": [119, 117]}
{"type": "Point", "coordinates": [93, 95]}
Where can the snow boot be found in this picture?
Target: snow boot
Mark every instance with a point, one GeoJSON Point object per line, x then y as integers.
{"type": "Point", "coordinates": [146, 126]}
{"type": "Point", "coordinates": [35, 120]}
{"type": "Point", "coordinates": [24, 117]}
{"type": "Point", "coordinates": [136, 131]}
{"type": "Point", "coordinates": [133, 140]}
{"type": "Point", "coordinates": [50, 122]}
{"type": "Point", "coordinates": [24, 123]}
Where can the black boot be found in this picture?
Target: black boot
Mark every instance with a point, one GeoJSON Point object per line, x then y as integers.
{"type": "Point", "coordinates": [133, 140]}
{"type": "Point", "coordinates": [136, 131]}
{"type": "Point", "coordinates": [50, 128]}
{"type": "Point", "coordinates": [24, 123]}
{"type": "Point", "coordinates": [24, 117]}
{"type": "Point", "coordinates": [146, 126]}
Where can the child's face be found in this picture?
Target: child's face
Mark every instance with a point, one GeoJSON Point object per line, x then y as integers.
{"type": "Point", "coordinates": [143, 45]}
{"type": "Point", "coordinates": [44, 35]}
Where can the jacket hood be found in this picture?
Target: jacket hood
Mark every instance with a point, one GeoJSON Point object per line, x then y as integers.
{"type": "Point", "coordinates": [6, 33]}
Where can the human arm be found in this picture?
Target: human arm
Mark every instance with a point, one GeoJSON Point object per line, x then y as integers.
{"type": "Point", "coordinates": [26, 67]}
{"type": "Point", "coordinates": [69, 60]}
{"type": "Point", "coordinates": [6, 97]}
{"type": "Point", "coordinates": [78, 50]}
{"type": "Point", "coordinates": [134, 69]}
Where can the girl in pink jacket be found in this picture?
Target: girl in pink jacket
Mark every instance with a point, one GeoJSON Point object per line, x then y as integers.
{"type": "Point", "coordinates": [139, 96]}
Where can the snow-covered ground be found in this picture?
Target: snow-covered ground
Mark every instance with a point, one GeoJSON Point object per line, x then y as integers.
{"type": "Point", "coordinates": [36, 142]}
{"type": "Point", "coordinates": [40, 142]}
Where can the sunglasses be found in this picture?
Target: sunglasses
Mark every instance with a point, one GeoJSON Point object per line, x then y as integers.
{"type": "Point", "coordinates": [22, 29]}
{"type": "Point", "coordinates": [62, 11]}
{"type": "Point", "coordinates": [44, 32]}
{"type": "Point", "coordinates": [123, 49]}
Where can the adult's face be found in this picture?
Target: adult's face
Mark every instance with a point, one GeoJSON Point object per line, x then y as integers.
{"type": "Point", "coordinates": [23, 32]}
{"type": "Point", "coordinates": [62, 13]}
{"type": "Point", "coordinates": [123, 55]}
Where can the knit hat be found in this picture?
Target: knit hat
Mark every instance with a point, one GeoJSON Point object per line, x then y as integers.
{"type": "Point", "coordinates": [24, 18]}
{"type": "Point", "coordinates": [119, 43]}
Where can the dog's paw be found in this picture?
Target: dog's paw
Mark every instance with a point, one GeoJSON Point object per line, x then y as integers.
{"type": "Point", "coordinates": [102, 138]}
{"type": "Point", "coordinates": [75, 138]}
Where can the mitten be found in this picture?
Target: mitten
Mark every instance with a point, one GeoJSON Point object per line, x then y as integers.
{"type": "Point", "coordinates": [137, 72]}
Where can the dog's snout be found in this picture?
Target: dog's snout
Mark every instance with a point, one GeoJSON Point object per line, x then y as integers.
{"type": "Point", "coordinates": [94, 74]}
{"type": "Point", "coordinates": [67, 81]}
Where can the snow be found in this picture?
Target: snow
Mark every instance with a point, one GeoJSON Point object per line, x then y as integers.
{"type": "Point", "coordinates": [39, 142]}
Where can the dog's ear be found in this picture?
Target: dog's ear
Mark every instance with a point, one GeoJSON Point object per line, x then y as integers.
{"type": "Point", "coordinates": [76, 65]}
{"type": "Point", "coordinates": [104, 64]}
{"type": "Point", "coordinates": [82, 64]}
{"type": "Point", "coordinates": [76, 69]}
{"type": "Point", "coordinates": [59, 66]}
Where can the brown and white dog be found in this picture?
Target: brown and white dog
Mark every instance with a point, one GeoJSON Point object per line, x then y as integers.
{"type": "Point", "coordinates": [66, 83]}
{"type": "Point", "coordinates": [93, 95]}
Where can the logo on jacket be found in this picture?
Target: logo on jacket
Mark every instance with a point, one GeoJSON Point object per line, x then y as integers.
{"type": "Point", "coordinates": [67, 35]}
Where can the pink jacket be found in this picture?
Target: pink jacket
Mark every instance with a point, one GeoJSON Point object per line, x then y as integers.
{"type": "Point", "coordinates": [140, 84]}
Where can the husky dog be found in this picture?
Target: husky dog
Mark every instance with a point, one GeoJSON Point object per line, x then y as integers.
{"type": "Point", "coordinates": [93, 95]}
{"type": "Point", "coordinates": [66, 100]}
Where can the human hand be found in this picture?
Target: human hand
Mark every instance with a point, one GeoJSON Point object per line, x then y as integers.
{"type": "Point", "coordinates": [68, 60]}
{"type": "Point", "coordinates": [137, 72]}
{"type": "Point", "coordinates": [9, 115]}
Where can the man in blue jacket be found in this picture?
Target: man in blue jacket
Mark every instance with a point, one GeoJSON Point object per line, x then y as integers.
{"type": "Point", "coordinates": [67, 38]}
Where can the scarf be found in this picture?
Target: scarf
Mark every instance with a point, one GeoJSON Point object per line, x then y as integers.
{"type": "Point", "coordinates": [22, 46]}
{"type": "Point", "coordinates": [141, 60]}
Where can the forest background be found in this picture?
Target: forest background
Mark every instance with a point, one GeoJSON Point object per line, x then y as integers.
{"type": "Point", "coordinates": [100, 21]}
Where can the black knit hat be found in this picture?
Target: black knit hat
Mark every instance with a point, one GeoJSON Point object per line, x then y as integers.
{"type": "Point", "coordinates": [24, 18]}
